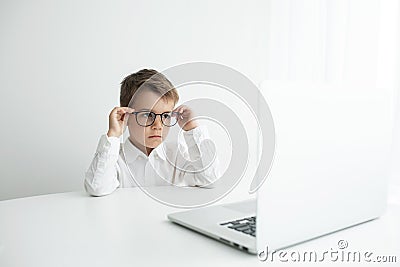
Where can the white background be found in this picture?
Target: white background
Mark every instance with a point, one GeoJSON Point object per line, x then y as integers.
{"type": "Point", "coordinates": [61, 63]}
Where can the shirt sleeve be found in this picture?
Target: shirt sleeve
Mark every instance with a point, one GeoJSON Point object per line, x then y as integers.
{"type": "Point", "coordinates": [203, 167]}
{"type": "Point", "coordinates": [101, 178]}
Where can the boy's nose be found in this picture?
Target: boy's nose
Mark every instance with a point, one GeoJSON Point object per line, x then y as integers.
{"type": "Point", "coordinates": [157, 123]}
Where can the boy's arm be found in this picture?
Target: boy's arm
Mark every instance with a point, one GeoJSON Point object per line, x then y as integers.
{"type": "Point", "coordinates": [101, 177]}
{"type": "Point", "coordinates": [204, 165]}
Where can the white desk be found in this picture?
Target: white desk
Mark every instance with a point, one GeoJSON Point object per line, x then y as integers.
{"type": "Point", "coordinates": [128, 228]}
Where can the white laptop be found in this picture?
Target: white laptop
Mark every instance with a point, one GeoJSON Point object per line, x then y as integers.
{"type": "Point", "coordinates": [330, 168]}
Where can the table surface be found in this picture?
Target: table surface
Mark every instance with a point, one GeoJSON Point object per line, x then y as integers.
{"type": "Point", "coordinates": [128, 228]}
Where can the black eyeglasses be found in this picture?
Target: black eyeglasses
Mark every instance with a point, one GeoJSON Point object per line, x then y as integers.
{"type": "Point", "coordinates": [147, 118]}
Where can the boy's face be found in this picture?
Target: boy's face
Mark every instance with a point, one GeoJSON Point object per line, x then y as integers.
{"type": "Point", "coordinates": [151, 136]}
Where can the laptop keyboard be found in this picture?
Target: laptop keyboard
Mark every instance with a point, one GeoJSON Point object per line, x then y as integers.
{"type": "Point", "coordinates": [245, 225]}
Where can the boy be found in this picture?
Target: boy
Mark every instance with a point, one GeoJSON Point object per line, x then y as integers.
{"type": "Point", "coordinates": [147, 102]}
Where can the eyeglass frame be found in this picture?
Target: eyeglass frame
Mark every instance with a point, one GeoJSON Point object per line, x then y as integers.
{"type": "Point", "coordinates": [155, 114]}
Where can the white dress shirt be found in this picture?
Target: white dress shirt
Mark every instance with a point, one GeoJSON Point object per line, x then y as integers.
{"type": "Point", "coordinates": [189, 163]}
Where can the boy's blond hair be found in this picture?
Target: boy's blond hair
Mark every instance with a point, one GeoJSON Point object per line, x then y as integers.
{"type": "Point", "coordinates": [152, 80]}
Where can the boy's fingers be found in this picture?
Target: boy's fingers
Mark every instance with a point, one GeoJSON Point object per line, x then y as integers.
{"type": "Point", "coordinates": [126, 109]}
{"type": "Point", "coordinates": [121, 112]}
{"type": "Point", "coordinates": [126, 115]}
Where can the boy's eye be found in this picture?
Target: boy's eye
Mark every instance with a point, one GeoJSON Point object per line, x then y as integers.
{"type": "Point", "coordinates": [146, 115]}
{"type": "Point", "coordinates": [167, 116]}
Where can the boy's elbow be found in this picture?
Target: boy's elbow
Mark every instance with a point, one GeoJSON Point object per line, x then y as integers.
{"type": "Point", "coordinates": [97, 191]}
{"type": "Point", "coordinates": [208, 186]}
{"type": "Point", "coordinates": [207, 181]}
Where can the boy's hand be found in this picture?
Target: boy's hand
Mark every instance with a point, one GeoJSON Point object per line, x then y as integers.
{"type": "Point", "coordinates": [185, 118]}
{"type": "Point", "coordinates": [117, 120]}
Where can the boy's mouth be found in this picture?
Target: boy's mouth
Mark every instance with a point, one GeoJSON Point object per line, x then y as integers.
{"type": "Point", "coordinates": [155, 136]}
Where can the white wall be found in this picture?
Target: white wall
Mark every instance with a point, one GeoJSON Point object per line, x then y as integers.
{"type": "Point", "coordinates": [62, 62]}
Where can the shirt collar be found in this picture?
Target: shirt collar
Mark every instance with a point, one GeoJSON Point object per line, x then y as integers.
{"type": "Point", "coordinates": [132, 152]}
